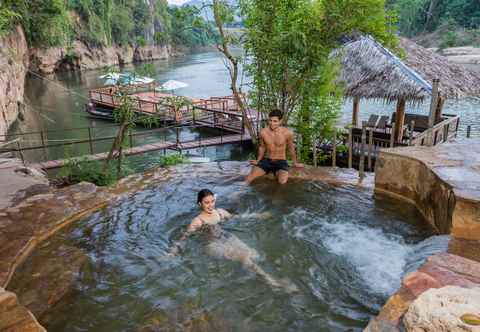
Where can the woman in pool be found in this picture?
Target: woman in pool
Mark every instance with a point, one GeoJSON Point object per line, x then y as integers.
{"type": "Point", "coordinates": [223, 244]}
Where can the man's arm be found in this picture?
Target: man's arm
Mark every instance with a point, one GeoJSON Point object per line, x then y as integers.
{"type": "Point", "coordinates": [291, 149]}
{"type": "Point", "coordinates": [261, 150]}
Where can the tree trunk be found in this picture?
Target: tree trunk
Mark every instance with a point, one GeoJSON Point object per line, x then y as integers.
{"type": "Point", "coordinates": [223, 47]}
{"type": "Point", "coordinates": [116, 145]}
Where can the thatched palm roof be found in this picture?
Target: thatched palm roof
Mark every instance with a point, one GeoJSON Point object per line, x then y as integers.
{"type": "Point", "coordinates": [371, 71]}
{"type": "Point", "coordinates": [455, 80]}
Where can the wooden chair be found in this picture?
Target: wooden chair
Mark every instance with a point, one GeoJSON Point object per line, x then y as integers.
{"type": "Point", "coordinates": [382, 123]}
{"type": "Point", "coordinates": [372, 121]}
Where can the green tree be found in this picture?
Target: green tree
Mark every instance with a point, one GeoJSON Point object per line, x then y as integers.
{"type": "Point", "coordinates": [289, 44]}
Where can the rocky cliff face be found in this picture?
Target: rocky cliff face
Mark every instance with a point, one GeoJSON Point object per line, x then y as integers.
{"type": "Point", "coordinates": [13, 68]}
{"type": "Point", "coordinates": [81, 57]}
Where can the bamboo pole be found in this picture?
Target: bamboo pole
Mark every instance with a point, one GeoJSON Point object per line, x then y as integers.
{"type": "Point", "coordinates": [392, 137]}
{"type": "Point", "coordinates": [42, 135]}
{"type": "Point", "coordinates": [399, 120]}
{"type": "Point", "coordinates": [433, 108]}
{"type": "Point", "coordinates": [370, 149]}
{"type": "Point", "coordinates": [350, 147]}
{"type": "Point", "coordinates": [355, 111]}
{"type": "Point", "coordinates": [334, 149]}
{"type": "Point", "coordinates": [410, 136]}
{"type": "Point", "coordinates": [361, 166]}
{"type": "Point", "coordinates": [90, 143]}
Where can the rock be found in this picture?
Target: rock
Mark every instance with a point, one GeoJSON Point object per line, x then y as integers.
{"type": "Point", "coordinates": [47, 277]}
{"type": "Point", "coordinates": [13, 68]}
{"type": "Point", "coordinates": [440, 310]}
{"type": "Point", "coordinates": [14, 317]}
{"type": "Point", "coordinates": [443, 182]}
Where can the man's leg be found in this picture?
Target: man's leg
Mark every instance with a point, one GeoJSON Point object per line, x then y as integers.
{"type": "Point", "coordinates": [282, 176]}
{"type": "Point", "coordinates": [256, 172]}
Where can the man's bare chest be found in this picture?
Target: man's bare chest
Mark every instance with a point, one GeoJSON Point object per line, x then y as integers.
{"type": "Point", "coordinates": [274, 138]}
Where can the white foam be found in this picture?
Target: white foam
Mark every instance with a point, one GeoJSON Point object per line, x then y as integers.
{"type": "Point", "coordinates": [379, 259]}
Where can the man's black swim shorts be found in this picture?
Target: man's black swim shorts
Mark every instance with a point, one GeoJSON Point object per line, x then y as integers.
{"type": "Point", "coordinates": [271, 165]}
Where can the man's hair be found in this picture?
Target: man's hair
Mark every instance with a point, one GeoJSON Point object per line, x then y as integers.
{"type": "Point", "coordinates": [277, 113]}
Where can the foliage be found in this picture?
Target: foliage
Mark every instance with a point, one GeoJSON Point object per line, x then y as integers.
{"type": "Point", "coordinates": [188, 28]}
{"type": "Point", "coordinates": [289, 44]}
{"type": "Point", "coordinates": [172, 159]}
{"type": "Point", "coordinates": [421, 16]}
{"type": "Point", "coordinates": [7, 19]}
{"type": "Point", "coordinates": [103, 22]}
{"type": "Point", "coordinates": [78, 170]}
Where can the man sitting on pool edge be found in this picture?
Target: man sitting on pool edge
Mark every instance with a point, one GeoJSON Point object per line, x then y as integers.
{"type": "Point", "coordinates": [273, 141]}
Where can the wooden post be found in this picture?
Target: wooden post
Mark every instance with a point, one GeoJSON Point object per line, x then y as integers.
{"type": "Point", "coordinates": [20, 153]}
{"type": "Point", "coordinates": [433, 108]}
{"type": "Point", "coordinates": [43, 145]}
{"type": "Point", "coordinates": [314, 145]}
{"type": "Point", "coordinates": [350, 147]}
{"type": "Point", "coordinates": [392, 137]}
{"type": "Point", "coordinates": [177, 136]}
{"type": "Point", "coordinates": [361, 167]}
{"type": "Point", "coordinates": [90, 140]}
{"type": "Point", "coordinates": [355, 111]}
{"type": "Point", "coordinates": [439, 109]}
{"type": "Point", "coordinates": [399, 120]}
{"type": "Point", "coordinates": [334, 148]}
{"type": "Point", "coordinates": [370, 149]}
{"type": "Point", "coordinates": [410, 136]}
{"type": "Point", "coordinates": [469, 128]}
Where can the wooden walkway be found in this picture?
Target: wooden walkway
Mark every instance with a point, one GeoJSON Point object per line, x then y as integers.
{"type": "Point", "coordinates": [179, 146]}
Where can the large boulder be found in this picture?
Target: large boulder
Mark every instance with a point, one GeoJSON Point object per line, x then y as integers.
{"type": "Point", "coordinates": [14, 317]}
{"type": "Point", "coordinates": [442, 309]}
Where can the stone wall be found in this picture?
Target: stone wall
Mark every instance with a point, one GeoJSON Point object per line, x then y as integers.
{"type": "Point", "coordinates": [443, 182]}
{"type": "Point", "coordinates": [13, 67]}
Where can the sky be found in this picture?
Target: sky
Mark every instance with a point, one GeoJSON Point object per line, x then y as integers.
{"type": "Point", "coordinates": [177, 2]}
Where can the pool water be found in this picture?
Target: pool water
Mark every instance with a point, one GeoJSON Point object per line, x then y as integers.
{"type": "Point", "coordinates": [342, 250]}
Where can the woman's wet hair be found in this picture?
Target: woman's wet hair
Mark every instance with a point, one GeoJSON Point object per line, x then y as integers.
{"type": "Point", "coordinates": [204, 193]}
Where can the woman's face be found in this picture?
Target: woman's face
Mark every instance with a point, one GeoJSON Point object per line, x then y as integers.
{"type": "Point", "coordinates": [208, 204]}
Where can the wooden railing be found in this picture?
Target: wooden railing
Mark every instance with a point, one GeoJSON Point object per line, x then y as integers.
{"type": "Point", "coordinates": [441, 132]}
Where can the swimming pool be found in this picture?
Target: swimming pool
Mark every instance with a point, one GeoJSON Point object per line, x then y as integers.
{"type": "Point", "coordinates": [344, 251]}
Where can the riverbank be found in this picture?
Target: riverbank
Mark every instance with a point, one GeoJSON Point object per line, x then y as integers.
{"type": "Point", "coordinates": [465, 55]}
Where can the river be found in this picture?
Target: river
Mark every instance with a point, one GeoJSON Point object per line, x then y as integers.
{"type": "Point", "coordinates": [57, 103]}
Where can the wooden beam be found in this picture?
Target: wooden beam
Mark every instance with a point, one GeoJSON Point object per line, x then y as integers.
{"type": "Point", "coordinates": [433, 108]}
{"type": "Point", "coordinates": [399, 120]}
{"type": "Point", "coordinates": [439, 109]}
{"type": "Point", "coordinates": [356, 111]}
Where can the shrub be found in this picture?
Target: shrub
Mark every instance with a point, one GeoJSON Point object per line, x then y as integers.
{"type": "Point", "coordinates": [78, 170]}
{"type": "Point", "coordinates": [172, 159]}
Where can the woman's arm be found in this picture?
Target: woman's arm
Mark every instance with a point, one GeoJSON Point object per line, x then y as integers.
{"type": "Point", "coordinates": [192, 228]}
{"type": "Point", "coordinates": [224, 213]}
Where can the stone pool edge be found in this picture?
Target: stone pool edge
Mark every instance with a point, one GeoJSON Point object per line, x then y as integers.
{"type": "Point", "coordinates": [45, 212]}
{"type": "Point", "coordinates": [421, 177]}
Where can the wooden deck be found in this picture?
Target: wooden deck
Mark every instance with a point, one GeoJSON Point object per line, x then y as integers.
{"type": "Point", "coordinates": [166, 145]}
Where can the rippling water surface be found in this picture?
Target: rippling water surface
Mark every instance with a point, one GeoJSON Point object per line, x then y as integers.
{"type": "Point", "coordinates": [344, 251]}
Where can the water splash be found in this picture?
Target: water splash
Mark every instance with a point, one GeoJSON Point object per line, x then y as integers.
{"type": "Point", "coordinates": [378, 258]}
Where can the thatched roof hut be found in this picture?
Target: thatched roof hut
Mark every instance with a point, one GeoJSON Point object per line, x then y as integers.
{"type": "Point", "coordinates": [371, 71]}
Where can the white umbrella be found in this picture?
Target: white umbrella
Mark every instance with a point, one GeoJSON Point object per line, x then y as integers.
{"type": "Point", "coordinates": [110, 76]}
{"type": "Point", "coordinates": [173, 85]}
